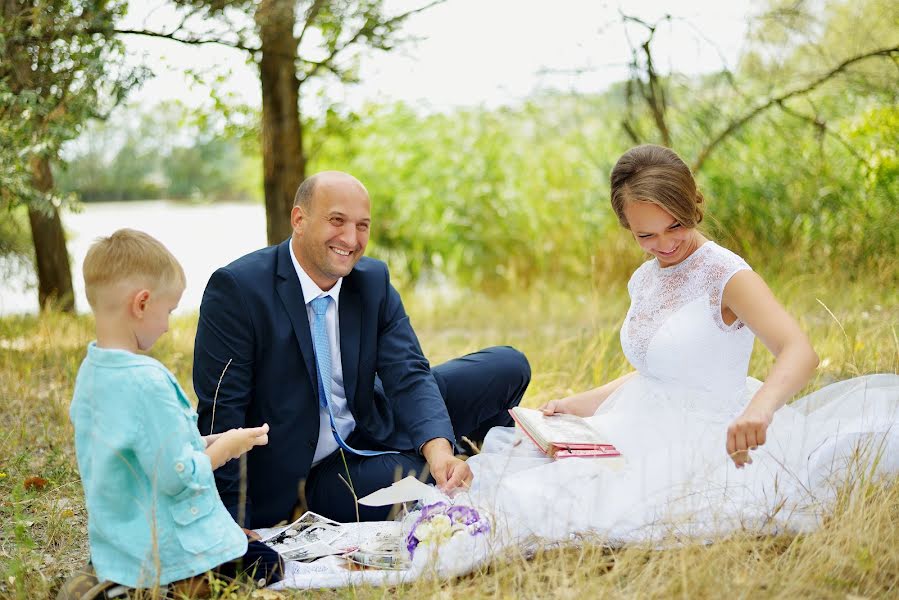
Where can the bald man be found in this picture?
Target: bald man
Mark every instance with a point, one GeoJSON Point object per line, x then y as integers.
{"type": "Point", "coordinates": [310, 337]}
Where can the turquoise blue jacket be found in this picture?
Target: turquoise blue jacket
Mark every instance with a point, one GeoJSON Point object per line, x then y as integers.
{"type": "Point", "coordinates": [154, 514]}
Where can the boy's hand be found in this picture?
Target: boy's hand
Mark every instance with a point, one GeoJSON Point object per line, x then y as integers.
{"type": "Point", "coordinates": [242, 440]}
{"type": "Point", "coordinates": [210, 439]}
{"type": "Point", "coordinates": [234, 442]}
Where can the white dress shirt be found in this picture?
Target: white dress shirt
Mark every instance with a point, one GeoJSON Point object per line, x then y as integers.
{"type": "Point", "coordinates": [343, 419]}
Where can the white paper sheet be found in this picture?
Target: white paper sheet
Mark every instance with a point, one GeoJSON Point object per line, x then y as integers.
{"type": "Point", "coordinates": [409, 489]}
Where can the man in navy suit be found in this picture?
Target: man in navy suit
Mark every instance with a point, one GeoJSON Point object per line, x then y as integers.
{"type": "Point", "coordinates": [311, 338]}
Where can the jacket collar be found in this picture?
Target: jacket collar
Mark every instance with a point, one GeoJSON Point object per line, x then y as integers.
{"type": "Point", "coordinates": [116, 357]}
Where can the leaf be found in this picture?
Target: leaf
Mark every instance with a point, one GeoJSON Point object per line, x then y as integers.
{"type": "Point", "coordinates": [35, 483]}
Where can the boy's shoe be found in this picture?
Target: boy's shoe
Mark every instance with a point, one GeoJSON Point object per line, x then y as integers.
{"type": "Point", "coordinates": [84, 585]}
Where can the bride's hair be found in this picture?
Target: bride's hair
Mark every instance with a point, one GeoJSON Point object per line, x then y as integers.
{"type": "Point", "coordinates": [656, 174]}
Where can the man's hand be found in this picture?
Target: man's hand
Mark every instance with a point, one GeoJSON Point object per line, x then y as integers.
{"type": "Point", "coordinates": [747, 432]}
{"type": "Point", "coordinates": [448, 471]}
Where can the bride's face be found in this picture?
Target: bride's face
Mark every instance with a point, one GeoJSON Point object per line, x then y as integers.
{"type": "Point", "coordinates": [659, 233]}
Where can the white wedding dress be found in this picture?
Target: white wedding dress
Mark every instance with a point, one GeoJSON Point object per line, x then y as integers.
{"type": "Point", "coordinates": [674, 480]}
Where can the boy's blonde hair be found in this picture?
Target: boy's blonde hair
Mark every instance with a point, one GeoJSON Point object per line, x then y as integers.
{"type": "Point", "coordinates": [126, 255]}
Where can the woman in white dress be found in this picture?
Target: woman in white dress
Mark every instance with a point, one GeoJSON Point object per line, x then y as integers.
{"type": "Point", "coordinates": [705, 449]}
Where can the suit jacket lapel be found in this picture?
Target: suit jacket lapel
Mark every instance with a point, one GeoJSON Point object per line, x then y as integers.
{"type": "Point", "coordinates": [291, 293]}
{"type": "Point", "coordinates": [350, 322]}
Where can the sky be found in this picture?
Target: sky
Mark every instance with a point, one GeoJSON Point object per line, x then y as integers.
{"type": "Point", "coordinates": [469, 52]}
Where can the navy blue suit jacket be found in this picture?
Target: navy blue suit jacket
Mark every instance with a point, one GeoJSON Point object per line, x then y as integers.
{"type": "Point", "coordinates": [253, 320]}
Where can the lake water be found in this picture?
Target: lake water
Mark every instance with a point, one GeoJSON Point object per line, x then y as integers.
{"type": "Point", "coordinates": [203, 237]}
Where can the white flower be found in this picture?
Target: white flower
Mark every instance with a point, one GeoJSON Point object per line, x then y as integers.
{"type": "Point", "coordinates": [437, 529]}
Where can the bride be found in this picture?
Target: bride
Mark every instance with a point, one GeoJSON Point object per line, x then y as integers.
{"type": "Point", "coordinates": [705, 449]}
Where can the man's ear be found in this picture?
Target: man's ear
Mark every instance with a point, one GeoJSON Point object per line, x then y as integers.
{"type": "Point", "coordinates": [297, 218]}
{"type": "Point", "coordinates": [139, 303]}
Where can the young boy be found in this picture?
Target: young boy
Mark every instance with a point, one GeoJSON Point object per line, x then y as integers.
{"type": "Point", "coordinates": [154, 514]}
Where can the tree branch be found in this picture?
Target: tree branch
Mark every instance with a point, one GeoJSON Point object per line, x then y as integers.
{"type": "Point", "coordinates": [738, 123]}
{"type": "Point", "coordinates": [652, 92]}
{"type": "Point", "coordinates": [310, 18]}
{"type": "Point", "coordinates": [328, 63]}
{"type": "Point", "coordinates": [187, 40]}
{"type": "Point", "coordinates": [821, 126]}
{"type": "Point", "coordinates": [629, 130]}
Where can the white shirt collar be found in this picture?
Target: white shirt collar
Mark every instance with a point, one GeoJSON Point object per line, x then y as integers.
{"type": "Point", "coordinates": [311, 291]}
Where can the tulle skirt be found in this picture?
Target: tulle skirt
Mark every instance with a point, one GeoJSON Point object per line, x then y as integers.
{"type": "Point", "coordinates": [674, 479]}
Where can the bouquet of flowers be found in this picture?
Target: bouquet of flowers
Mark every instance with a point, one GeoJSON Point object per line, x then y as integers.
{"type": "Point", "coordinates": [455, 537]}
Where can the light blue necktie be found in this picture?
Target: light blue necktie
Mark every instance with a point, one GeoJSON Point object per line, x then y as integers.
{"type": "Point", "coordinates": [323, 363]}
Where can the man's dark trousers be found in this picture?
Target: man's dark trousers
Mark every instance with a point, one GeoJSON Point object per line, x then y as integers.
{"type": "Point", "coordinates": [478, 388]}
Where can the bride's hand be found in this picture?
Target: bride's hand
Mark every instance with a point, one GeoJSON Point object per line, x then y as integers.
{"type": "Point", "coordinates": [586, 403]}
{"type": "Point", "coordinates": [568, 406]}
{"type": "Point", "coordinates": [747, 432]}
{"type": "Point", "coordinates": [553, 406]}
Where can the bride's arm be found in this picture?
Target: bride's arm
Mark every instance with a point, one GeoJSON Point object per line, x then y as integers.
{"type": "Point", "coordinates": [748, 297]}
{"type": "Point", "coordinates": [585, 403]}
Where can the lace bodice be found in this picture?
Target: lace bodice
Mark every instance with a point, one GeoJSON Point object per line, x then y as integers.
{"type": "Point", "coordinates": [674, 330]}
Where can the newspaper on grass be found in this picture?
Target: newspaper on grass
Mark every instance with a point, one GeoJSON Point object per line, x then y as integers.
{"type": "Point", "coordinates": [310, 537]}
{"type": "Point", "coordinates": [378, 544]}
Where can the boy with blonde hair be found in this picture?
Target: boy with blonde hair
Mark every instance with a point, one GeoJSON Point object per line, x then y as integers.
{"type": "Point", "coordinates": [154, 514]}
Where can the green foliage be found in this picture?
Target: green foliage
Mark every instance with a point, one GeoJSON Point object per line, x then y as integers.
{"type": "Point", "coordinates": [503, 198]}
{"type": "Point", "coordinates": [59, 65]}
{"type": "Point", "coordinates": [782, 189]}
{"type": "Point", "coordinates": [454, 192]}
{"type": "Point", "coordinates": [165, 151]}
{"type": "Point", "coordinates": [15, 243]}
{"type": "Point", "coordinates": [333, 33]}
{"type": "Point", "coordinates": [791, 39]}
{"type": "Point", "coordinates": [57, 69]}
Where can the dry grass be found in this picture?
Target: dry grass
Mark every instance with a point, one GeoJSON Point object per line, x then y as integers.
{"type": "Point", "coordinates": [572, 342]}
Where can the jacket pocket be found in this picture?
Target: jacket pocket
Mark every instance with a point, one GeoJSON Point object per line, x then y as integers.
{"type": "Point", "coordinates": [195, 523]}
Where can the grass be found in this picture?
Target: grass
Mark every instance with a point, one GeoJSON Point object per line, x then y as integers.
{"type": "Point", "coordinates": [571, 339]}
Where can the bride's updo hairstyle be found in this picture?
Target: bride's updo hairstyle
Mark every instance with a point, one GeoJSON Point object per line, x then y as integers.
{"type": "Point", "coordinates": [655, 174]}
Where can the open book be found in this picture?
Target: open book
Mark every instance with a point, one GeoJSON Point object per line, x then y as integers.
{"type": "Point", "coordinates": [562, 436]}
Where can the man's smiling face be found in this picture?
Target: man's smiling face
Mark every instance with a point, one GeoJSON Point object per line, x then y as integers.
{"type": "Point", "coordinates": [331, 233]}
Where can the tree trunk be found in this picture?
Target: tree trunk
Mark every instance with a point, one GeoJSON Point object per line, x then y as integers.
{"type": "Point", "coordinates": [283, 162]}
{"type": "Point", "coordinates": [54, 274]}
